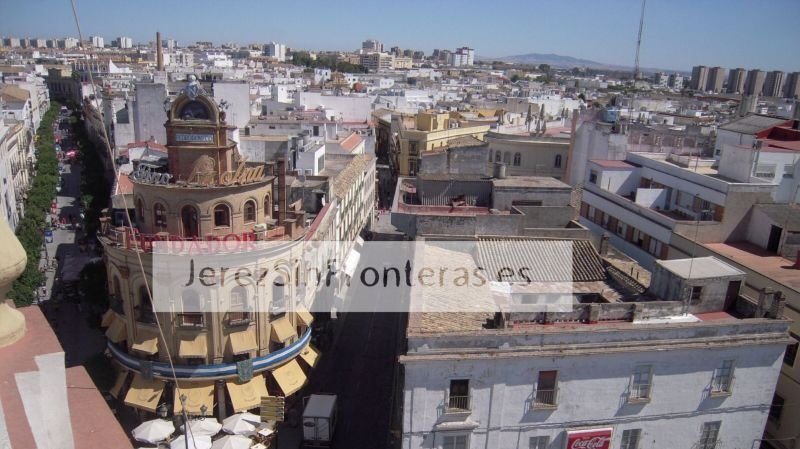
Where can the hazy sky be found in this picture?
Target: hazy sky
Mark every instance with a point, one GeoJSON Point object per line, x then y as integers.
{"type": "Point", "coordinates": [678, 33]}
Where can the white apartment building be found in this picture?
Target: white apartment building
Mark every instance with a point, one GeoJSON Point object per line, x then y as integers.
{"type": "Point", "coordinates": [463, 56]}
{"type": "Point", "coordinates": [97, 41]}
{"type": "Point", "coordinates": [123, 42]}
{"type": "Point", "coordinates": [630, 374]}
{"type": "Point", "coordinates": [275, 50]}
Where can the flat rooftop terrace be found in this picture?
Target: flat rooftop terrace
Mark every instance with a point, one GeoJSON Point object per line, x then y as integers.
{"type": "Point", "coordinates": [753, 257]}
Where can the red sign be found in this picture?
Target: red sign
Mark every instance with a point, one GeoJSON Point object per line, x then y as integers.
{"type": "Point", "coordinates": [589, 439]}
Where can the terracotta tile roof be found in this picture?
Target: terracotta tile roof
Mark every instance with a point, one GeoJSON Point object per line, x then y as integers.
{"type": "Point", "coordinates": [607, 163]}
{"type": "Point", "coordinates": [546, 260]}
{"type": "Point", "coordinates": [350, 174]}
{"type": "Point", "coordinates": [351, 142]}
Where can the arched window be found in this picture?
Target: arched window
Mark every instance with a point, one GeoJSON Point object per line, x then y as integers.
{"type": "Point", "coordinates": [517, 159]}
{"type": "Point", "coordinates": [222, 215]}
{"type": "Point", "coordinates": [278, 305]}
{"type": "Point", "coordinates": [160, 215]}
{"type": "Point", "coordinates": [191, 225]}
{"type": "Point", "coordinates": [191, 309]}
{"type": "Point", "coordinates": [497, 156]}
{"type": "Point", "coordinates": [144, 310]}
{"type": "Point", "coordinates": [249, 211]}
{"type": "Point", "coordinates": [267, 207]}
{"type": "Point", "coordinates": [139, 211]}
{"type": "Point", "coordinates": [558, 161]}
{"type": "Point", "coordinates": [507, 157]}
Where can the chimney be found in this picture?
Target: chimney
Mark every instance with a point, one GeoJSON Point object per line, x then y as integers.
{"type": "Point", "coordinates": [159, 52]}
{"type": "Point", "coordinates": [604, 244]}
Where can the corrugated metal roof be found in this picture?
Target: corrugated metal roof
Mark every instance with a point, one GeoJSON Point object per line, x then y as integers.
{"type": "Point", "coordinates": [544, 260]}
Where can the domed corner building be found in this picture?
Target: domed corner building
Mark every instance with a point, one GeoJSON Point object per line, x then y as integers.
{"type": "Point", "coordinates": [225, 362]}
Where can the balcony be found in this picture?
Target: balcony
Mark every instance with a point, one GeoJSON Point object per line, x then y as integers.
{"type": "Point", "coordinates": [458, 404]}
{"type": "Point", "coordinates": [190, 320]}
{"type": "Point", "coordinates": [639, 393]}
{"type": "Point", "coordinates": [545, 399]}
{"type": "Point", "coordinates": [144, 315]}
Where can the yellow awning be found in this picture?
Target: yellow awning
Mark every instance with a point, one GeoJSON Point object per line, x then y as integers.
{"type": "Point", "coordinates": [309, 355]}
{"type": "Point", "coordinates": [144, 394]}
{"type": "Point", "coordinates": [247, 395]}
{"type": "Point", "coordinates": [281, 330]}
{"type": "Point", "coordinates": [304, 316]}
{"type": "Point", "coordinates": [146, 342]}
{"type": "Point", "coordinates": [197, 395]}
{"type": "Point", "coordinates": [119, 383]}
{"type": "Point", "coordinates": [290, 377]}
{"type": "Point", "coordinates": [108, 318]}
{"type": "Point", "coordinates": [117, 331]}
{"type": "Point", "coordinates": [243, 341]}
{"type": "Point", "coordinates": [193, 347]}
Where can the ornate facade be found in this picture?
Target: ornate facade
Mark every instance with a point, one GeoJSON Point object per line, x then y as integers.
{"type": "Point", "coordinates": [227, 359]}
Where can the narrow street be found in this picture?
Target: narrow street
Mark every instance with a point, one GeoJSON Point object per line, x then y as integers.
{"type": "Point", "coordinates": [80, 340]}
{"type": "Point", "coordinates": [360, 367]}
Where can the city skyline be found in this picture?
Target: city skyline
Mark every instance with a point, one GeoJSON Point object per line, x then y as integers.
{"type": "Point", "coordinates": [442, 26]}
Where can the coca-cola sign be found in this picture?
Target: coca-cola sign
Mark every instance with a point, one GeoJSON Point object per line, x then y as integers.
{"type": "Point", "coordinates": [589, 439]}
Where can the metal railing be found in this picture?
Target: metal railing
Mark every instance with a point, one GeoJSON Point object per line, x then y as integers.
{"type": "Point", "coordinates": [545, 398]}
{"type": "Point", "coordinates": [190, 319]}
{"type": "Point", "coordinates": [458, 403]}
{"type": "Point", "coordinates": [640, 392]}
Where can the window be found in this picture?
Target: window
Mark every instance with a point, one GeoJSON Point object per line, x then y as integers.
{"type": "Point", "coordinates": [709, 434]}
{"type": "Point", "coordinates": [459, 395]}
{"type": "Point", "coordinates": [697, 293]}
{"type": "Point", "coordinates": [191, 225]}
{"type": "Point", "coordinates": [517, 159]}
{"type": "Point", "coordinates": [278, 306]}
{"type": "Point", "coordinates": [249, 211]}
{"type": "Point", "coordinates": [557, 163]}
{"type": "Point", "coordinates": [267, 207]}
{"type": "Point", "coordinates": [630, 439]}
{"type": "Point", "coordinates": [593, 177]}
{"type": "Point", "coordinates": [455, 442]}
{"type": "Point", "coordinates": [539, 442]}
{"type": "Point", "coordinates": [144, 311]}
{"type": "Point", "coordinates": [191, 309]}
{"type": "Point", "coordinates": [641, 382]}
{"type": "Point", "coordinates": [222, 215]}
{"type": "Point", "coordinates": [791, 350]}
{"type": "Point", "coordinates": [140, 211]}
{"type": "Point", "coordinates": [507, 157]}
{"type": "Point", "coordinates": [788, 171]}
{"type": "Point", "coordinates": [776, 409]}
{"type": "Point", "coordinates": [497, 156]}
{"type": "Point", "coordinates": [160, 215]}
{"type": "Point", "coordinates": [723, 378]}
{"type": "Point", "coordinates": [239, 312]}
{"type": "Point", "coordinates": [546, 389]}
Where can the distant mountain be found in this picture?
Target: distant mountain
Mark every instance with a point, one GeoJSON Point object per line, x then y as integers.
{"type": "Point", "coordinates": [566, 62]}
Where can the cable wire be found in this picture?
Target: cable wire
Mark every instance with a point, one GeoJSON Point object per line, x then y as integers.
{"type": "Point", "coordinates": [187, 429]}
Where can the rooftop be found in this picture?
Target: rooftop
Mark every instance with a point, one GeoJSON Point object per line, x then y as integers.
{"type": "Point", "coordinates": [754, 123]}
{"type": "Point", "coordinates": [786, 215]}
{"type": "Point", "coordinates": [93, 423]}
{"type": "Point", "coordinates": [700, 268]}
{"type": "Point", "coordinates": [607, 163]}
{"type": "Point", "coordinates": [530, 181]}
{"type": "Point", "coordinates": [759, 260]}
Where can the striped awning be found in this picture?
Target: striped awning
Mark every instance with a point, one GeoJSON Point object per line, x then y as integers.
{"type": "Point", "coordinates": [282, 330]}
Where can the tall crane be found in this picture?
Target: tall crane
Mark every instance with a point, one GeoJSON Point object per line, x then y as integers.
{"type": "Point", "coordinates": [637, 73]}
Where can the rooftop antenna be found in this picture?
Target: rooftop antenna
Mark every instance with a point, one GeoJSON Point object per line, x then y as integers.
{"type": "Point", "coordinates": [637, 73]}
